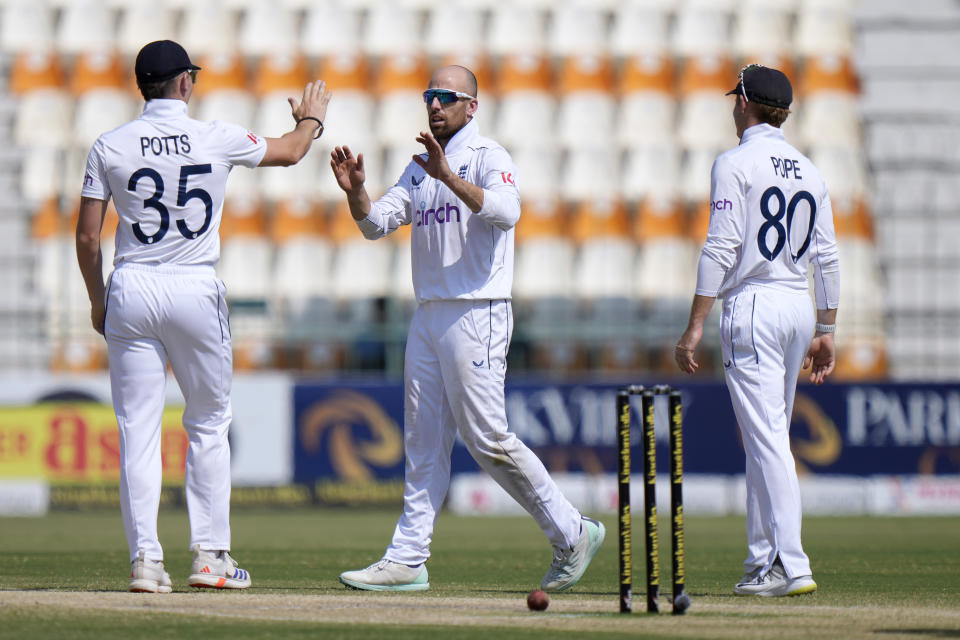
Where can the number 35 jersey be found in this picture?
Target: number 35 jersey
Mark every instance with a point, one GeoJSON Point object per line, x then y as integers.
{"type": "Point", "coordinates": [167, 173]}
{"type": "Point", "coordinates": [770, 219]}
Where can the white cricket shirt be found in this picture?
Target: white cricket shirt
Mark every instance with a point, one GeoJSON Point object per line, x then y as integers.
{"type": "Point", "coordinates": [457, 254]}
{"type": "Point", "coordinates": [770, 219]}
{"type": "Point", "coordinates": [167, 173]}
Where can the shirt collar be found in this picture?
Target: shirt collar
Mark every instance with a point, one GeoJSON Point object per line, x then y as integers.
{"type": "Point", "coordinates": [164, 109]}
{"type": "Point", "coordinates": [463, 137]}
{"type": "Point", "coordinates": [762, 131]}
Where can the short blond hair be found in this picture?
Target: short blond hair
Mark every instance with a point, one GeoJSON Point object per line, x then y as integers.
{"type": "Point", "coordinates": [774, 116]}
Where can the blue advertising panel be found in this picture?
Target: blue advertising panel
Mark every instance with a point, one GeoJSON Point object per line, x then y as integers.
{"type": "Point", "coordinates": [353, 433]}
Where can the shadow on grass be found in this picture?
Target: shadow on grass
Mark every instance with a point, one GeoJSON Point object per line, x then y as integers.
{"type": "Point", "coordinates": [930, 633]}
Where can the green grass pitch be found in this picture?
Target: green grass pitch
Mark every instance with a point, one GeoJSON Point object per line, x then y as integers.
{"type": "Point", "coordinates": [64, 575]}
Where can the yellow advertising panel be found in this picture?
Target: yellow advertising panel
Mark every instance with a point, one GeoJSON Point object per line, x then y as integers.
{"type": "Point", "coordinates": [78, 443]}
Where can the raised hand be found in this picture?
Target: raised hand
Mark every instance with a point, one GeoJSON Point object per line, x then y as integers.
{"type": "Point", "coordinates": [316, 97]}
{"type": "Point", "coordinates": [347, 169]}
{"type": "Point", "coordinates": [436, 163]}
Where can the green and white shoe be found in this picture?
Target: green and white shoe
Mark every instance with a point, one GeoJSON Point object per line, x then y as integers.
{"type": "Point", "coordinates": [386, 575]}
{"type": "Point", "coordinates": [569, 565]}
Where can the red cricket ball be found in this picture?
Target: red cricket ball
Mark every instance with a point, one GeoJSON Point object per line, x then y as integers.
{"type": "Point", "coordinates": [538, 600]}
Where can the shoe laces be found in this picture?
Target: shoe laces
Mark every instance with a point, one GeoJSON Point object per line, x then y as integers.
{"type": "Point", "coordinates": [560, 557]}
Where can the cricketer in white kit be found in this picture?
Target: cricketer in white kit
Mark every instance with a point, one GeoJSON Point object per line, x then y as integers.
{"type": "Point", "coordinates": [770, 220]}
{"type": "Point", "coordinates": [462, 201]}
{"type": "Point", "coordinates": [166, 173]}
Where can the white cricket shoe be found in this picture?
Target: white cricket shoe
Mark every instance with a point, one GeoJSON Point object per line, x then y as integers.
{"type": "Point", "coordinates": [148, 576]}
{"type": "Point", "coordinates": [775, 583]}
{"type": "Point", "coordinates": [387, 575]}
{"type": "Point", "coordinates": [569, 565]}
{"type": "Point", "coordinates": [751, 575]}
{"type": "Point", "coordinates": [216, 570]}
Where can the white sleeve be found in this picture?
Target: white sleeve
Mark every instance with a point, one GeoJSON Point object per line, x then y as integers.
{"type": "Point", "coordinates": [826, 264]}
{"type": "Point", "coordinates": [95, 183]}
{"type": "Point", "coordinates": [390, 211]}
{"type": "Point", "coordinates": [240, 147]}
{"type": "Point", "coordinates": [501, 198]}
{"type": "Point", "coordinates": [725, 233]}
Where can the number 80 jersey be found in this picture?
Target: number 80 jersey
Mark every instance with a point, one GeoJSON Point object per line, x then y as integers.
{"type": "Point", "coordinates": [770, 219]}
{"type": "Point", "coordinates": [167, 174]}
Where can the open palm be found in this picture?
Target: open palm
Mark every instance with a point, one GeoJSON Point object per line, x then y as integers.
{"type": "Point", "coordinates": [347, 169]}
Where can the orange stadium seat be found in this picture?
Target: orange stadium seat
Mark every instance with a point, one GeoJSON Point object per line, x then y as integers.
{"type": "Point", "coordinates": [349, 118]}
{"type": "Point", "coordinates": [830, 113]}
{"type": "Point", "coordinates": [604, 266]}
{"type": "Point", "coordinates": [542, 240]}
{"type": "Point", "coordinates": [647, 104]}
{"type": "Point", "coordinates": [586, 105]}
{"type": "Point", "coordinates": [304, 251]}
{"type": "Point", "coordinates": [36, 71]}
{"type": "Point", "coordinates": [222, 90]}
{"type": "Point", "coordinates": [361, 268]}
{"type": "Point", "coordinates": [44, 110]}
{"type": "Point", "coordinates": [705, 119]}
{"type": "Point", "coordinates": [104, 101]}
{"type": "Point", "coordinates": [525, 117]}
{"type": "Point", "coordinates": [862, 358]}
{"type": "Point", "coordinates": [401, 112]}
{"type": "Point", "coordinates": [666, 266]}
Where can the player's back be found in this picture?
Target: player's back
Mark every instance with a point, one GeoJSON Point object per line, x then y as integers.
{"type": "Point", "coordinates": [167, 174]}
{"type": "Point", "coordinates": [781, 203]}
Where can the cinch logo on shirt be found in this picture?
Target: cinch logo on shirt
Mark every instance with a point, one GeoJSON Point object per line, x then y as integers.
{"type": "Point", "coordinates": [721, 205]}
{"type": "Point", "coordinates": [440, 215]}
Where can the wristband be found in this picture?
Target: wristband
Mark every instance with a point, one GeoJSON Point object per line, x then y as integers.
{"type": "Point", "coordinates": [317, 120]}
{"type": "Point", "coordinates": [825, 328]}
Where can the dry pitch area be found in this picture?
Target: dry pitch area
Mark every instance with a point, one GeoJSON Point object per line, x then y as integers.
{"type": "Point", "coordinates": [63, 576]}
{"type": "Point", "coordinates": [568, 613]}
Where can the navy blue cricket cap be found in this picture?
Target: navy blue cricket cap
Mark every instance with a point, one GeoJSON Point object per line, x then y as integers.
{"type": "Point", "coordinates": [764, 85]}
{"type": "Point", "coordinates": [162, 60]}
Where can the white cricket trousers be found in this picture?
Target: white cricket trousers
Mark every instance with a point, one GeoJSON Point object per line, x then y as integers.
{"type": "Point", "coordinates": [454, 371]}
{"type": "Point", "coordinates": [765, 333]}
{"type": "Point", "coordinates": [178, 314]}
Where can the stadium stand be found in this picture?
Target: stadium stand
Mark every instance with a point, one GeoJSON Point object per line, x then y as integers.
{"type": "Point", "coordinates": [613, 111]}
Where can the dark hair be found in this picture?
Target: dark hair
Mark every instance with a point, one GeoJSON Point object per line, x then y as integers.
{"type": "Point", "coordinates": [161, 89]}
{"type": "Point", "coordinates": [774, 116]}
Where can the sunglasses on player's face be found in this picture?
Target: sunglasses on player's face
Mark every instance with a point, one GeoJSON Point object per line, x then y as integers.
{"type": "Point", "coordinates": [193, 76]}
{"type": "Point", "coordinates": [445, 96]}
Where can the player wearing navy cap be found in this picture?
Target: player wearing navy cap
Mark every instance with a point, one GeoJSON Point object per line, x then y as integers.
{"type": "Point", "coordinates": [166, 173]}
{"type": "Point", "coordinates": [770, 220]}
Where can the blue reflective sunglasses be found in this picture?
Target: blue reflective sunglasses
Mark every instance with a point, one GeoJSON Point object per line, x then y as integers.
{"type": "Point", "coordinates": [445, 96]}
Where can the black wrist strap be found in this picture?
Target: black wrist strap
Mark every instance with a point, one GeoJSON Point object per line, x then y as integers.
{"type": "Point", "coordinates": [317, 120]}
